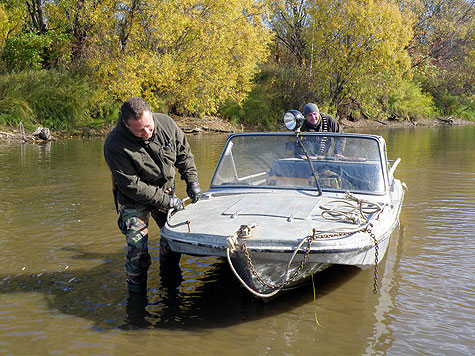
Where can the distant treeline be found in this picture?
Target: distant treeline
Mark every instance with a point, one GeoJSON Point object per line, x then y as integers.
{"type": "Point", "coordinates": [65, 64]}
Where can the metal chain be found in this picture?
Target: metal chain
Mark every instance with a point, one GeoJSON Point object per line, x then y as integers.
{"type": "Point", "coordinates": [376, 248]}
{"type": "Point", "coordinates": [309, 241]}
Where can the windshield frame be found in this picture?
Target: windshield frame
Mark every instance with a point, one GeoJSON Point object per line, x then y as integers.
{"type": "Point", "coordinates": [383, 162]}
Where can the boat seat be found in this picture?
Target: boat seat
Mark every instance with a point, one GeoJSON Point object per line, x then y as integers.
{"type": "Point", "coordinates": [361, 176]}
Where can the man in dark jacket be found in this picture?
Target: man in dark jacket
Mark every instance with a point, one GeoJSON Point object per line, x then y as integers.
{"type": "Point", "coordinates": [320, 122]}
{"type": "Point", "coordinates": [142, 152]}
{"type": "Point", "coordinates": [317, 121]}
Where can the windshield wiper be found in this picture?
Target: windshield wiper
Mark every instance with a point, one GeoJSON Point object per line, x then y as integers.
{"type": "Point", "coordinates": [310, 163]}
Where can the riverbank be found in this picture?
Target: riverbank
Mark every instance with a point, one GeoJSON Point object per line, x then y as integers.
{"type": "Point", "coordinates": [212, 124]}
{"type": "Point", "coordinates": [215, 124]}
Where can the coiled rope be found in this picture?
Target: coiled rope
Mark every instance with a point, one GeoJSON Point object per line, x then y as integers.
{"type": "Point", "coordinates": [350, 210]}
{"type": "Point", "coordinates": [355, 211]}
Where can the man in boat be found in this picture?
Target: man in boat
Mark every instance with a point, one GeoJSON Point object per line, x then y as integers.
{"type": "Point", "coordinates": [320, 122]}
{"type": "Point", "coordinates": [317, 121]}
{"type": "Point", "coordinates": [142, 152]}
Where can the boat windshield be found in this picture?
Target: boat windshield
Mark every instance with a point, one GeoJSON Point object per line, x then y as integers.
{"type": "Point", "coordinates": [269, 161]}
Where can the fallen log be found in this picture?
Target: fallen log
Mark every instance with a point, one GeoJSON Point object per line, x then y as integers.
{"type": "Point", "coordinates": [447, 121]}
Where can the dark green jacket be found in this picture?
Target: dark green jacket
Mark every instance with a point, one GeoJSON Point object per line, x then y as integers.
{"type": "Point", "coordinates": [327, 124]}
{"type": "Point", "coordinates": [144, 169]}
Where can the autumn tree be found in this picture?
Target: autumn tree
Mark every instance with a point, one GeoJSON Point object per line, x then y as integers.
{"type": "Point", "coordinates": [77, 19]}
{"type": "Point", "coordinates": [442, 51]}
{"type": "Point", "coordinates": [35, 12]}
{"type": "Point", "coordinates": [358, 49]}
{"type": "Point", "coordinates": [442, 28]}
{"type": "Point", "coordinates": [185, 56]}
{"type": "Point", "coordinates": [12, 19]}
{"type": "Point", "coordinates": [289, 22]}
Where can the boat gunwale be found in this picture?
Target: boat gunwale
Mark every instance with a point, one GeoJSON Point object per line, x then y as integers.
{"type": "Point", "coordinates": [284, 249]}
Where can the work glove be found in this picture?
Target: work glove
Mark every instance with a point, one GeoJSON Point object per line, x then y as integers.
{"type": "Point", "coordinates": [194, 191]}
{"type": "Point", "coordinates": [175, 203]}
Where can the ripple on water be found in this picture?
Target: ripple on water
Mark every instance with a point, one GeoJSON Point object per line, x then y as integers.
{"type": "Point", "coordinates": [59, 223]}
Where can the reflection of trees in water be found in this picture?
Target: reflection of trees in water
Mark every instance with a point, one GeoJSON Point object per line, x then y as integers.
{"type": "Point", "coordinates": [204, 295]}
{"type": "Point", "coordinates": [382, 334]}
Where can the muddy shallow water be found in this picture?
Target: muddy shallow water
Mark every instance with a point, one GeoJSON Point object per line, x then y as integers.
{"type": "Point", "coordinates": [62, 288]}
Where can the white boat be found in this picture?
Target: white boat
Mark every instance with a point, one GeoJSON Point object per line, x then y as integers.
{"type": "Point", "coordinates": [283, 206]}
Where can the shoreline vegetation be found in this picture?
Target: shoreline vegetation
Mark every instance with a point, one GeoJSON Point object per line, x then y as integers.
{"type": "Point", "coordinates": [216, 125]}
{"type": "Point", "coordinates": [68, 66]}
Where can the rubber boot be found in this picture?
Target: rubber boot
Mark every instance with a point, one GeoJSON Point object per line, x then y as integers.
{"type": "Point", "coordinates": [170, 271]}
{"type": "Point", "coordinates": [137, 284]}
{"type": "Point", "coordinates": [137, 314]}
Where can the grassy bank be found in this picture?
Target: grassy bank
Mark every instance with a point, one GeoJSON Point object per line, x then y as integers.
{"type": "Point", "coordinates": [213, 124]}
{"type": "Point", "coordinates": [52, 99]}
{"type": "Point", "coordinates": [75, 105]}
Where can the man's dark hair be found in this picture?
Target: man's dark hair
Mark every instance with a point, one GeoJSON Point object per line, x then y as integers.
{"type": "Point", "coordinates": [133, 108]}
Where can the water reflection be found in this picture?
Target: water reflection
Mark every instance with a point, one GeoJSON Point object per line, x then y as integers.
{"type": "Point", "coordinates": [206, 294]}
{"type": "Point", "coordinates": [382, 336]}
{"type": "Point", "coordinates": [62, 285]}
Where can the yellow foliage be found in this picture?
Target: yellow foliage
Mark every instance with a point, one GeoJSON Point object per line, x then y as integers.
{"type": "Point", "coordinates": [3, 25]}
{"type": "Point", "coordinates": [11, 21]}
{"type": "Point", "coordinates": [192, 54]}
{"type": "Point", "coordinates": [359, 47]}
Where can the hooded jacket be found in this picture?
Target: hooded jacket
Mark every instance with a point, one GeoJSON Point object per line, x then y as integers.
{"type": "Point", "coordinates": [144, 169]}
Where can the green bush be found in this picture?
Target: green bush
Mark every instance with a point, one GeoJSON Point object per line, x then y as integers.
{"type": "Point", "coordinates": [48, 98]}
{"type": "Point", "coordinates": [409, 102]}
{"type": "Point", "coordinates": [14, 111]}
{"type": "Point", "coordinates": [34, 51]}
{"type": "Point", "coordinates": [104, 114]}
{"type": "Point", "coordinates": [276, 89]}
{"type": "Point", "coordinates": [447, 104]}
{"type": "Point", "coordinates": [467, 110]}
{"type": "Point", "coordinates": [456, 105]}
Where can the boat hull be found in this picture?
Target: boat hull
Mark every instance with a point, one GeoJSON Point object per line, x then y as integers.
{"type": "Point", "coordinates": [293, 253]}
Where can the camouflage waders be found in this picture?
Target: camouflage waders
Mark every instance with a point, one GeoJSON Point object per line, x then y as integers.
{"type": "Point", "coordinates": [133, 223]}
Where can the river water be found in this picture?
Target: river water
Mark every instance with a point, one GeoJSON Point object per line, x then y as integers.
{"type": "Point", "coordinates": [62, 288]}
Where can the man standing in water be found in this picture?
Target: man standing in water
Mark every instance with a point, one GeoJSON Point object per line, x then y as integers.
{"type": "Point", "coordinates": [142, 152]}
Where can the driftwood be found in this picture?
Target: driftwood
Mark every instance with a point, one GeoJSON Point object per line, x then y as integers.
{"type": "Point", "coordinates": [43, 133]}
{"type": "Point", "coordinates": [22, 131]}
{"type": "Point", "coordinates": [447, 121]}
{"type": "Point", "coordinates": [215, 130]}
{"type": "Point", "coordinates": [368, 116]}
{"type": "Point", "coordinates": [204, 128]}
{"type": "Point", "coordinates": [377, 120]}
{"type": "Point", "coordinates": [7, 135]}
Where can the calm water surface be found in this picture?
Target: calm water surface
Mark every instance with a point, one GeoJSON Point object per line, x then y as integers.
{"type": "Point", "coordinates": [62, 289]}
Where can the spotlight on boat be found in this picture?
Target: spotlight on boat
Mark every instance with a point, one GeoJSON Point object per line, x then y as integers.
{"type": "Point", "coordinates": [293, 120]}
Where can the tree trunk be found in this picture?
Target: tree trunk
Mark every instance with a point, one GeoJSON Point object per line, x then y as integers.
{"type": "Point", "coordinates": [35, 11]}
